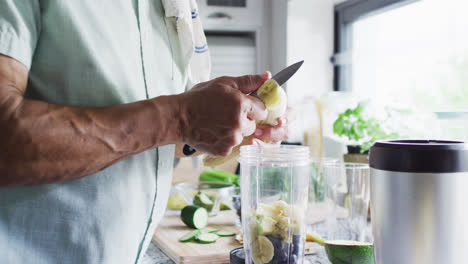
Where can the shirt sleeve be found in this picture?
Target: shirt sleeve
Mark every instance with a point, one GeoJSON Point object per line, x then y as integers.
{"type": "Point", "coordinates": [19, 29]}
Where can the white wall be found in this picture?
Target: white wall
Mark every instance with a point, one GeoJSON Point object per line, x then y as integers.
{"type": "Point", "coordinates": [310, 37]}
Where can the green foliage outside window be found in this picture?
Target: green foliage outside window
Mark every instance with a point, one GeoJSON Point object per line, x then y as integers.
{"type": "Point", "coordinates": [354, 125]}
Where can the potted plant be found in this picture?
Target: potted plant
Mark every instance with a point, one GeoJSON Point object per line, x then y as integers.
{"type": "Point", "coordinates": [361, 131]}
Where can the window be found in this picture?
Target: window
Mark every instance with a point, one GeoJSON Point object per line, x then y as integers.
{"type": "Point", "coordinates": [410, 52]}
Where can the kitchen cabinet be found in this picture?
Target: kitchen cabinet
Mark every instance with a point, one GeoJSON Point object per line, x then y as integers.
{"type": "Point", "coordinates": [247, 38]}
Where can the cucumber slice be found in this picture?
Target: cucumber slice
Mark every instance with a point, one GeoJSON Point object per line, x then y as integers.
{"type": "Point", "coordinates": [213, 231]}
{"type": "Point", "coordinates": [194, 216]}
{"type": "Point", "coordinates": [189, 236]}
{"type": "Point", "coordinates": [225, 234]}
{"type": "Point", "coordinates": [203, 200]}
{"type": "Point", "coordinates": [206, 238]}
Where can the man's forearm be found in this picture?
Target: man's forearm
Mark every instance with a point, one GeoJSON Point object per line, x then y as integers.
{"type": "Point", "coordinates": [45, 143]}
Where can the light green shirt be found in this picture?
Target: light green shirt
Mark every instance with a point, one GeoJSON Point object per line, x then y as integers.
{"type": "Point", "coordinates": [91, 53]}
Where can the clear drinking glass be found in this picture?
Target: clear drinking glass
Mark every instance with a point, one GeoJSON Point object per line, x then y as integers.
{"type": "Point", "coordinates": [207, 194]}
{"type": "Point", "coordinates": [319, 207]}
{"type": "Point", "coordinates": [348, 188]}
{"type": "Point", "coordinates": [274, 190]}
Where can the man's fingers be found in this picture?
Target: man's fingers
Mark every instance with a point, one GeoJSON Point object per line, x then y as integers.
{"type": "Point", "coordinates": [255, 108]}
{"type": "Point", "coordinates": [248, 127]}
{"type": "Point", "coordinates": [273, 134]}
{"type": "Point", "coordinates": [250, 83]}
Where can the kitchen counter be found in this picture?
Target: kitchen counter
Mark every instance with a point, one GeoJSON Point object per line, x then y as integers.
{"type": "Point", "coordinates": [155, 256]}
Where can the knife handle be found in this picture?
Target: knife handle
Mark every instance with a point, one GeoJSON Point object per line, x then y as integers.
{"type": "Point", "coordinates": [188, 150]}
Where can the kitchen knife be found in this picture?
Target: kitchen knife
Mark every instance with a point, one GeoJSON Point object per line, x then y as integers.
{"type": "Point", "coordinates": [281, 78]}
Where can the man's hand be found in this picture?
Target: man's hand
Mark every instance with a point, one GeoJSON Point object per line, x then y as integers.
{"type": "Point", "coordinates": [274, 134]}
{"type": "Point", "coordinates": [216, 115]}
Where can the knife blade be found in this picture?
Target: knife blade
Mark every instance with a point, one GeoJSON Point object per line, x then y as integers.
{"type": "Point", "coordinates": [281, 78]}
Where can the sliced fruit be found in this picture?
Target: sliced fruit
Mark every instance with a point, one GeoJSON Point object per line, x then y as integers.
{"type": "Point", "coordinates": [297, 216]}
{"type": "Point", "coordinates": [206, 238]}
{"type": "Point", "coordinates": [268, 210]}
{"type": "Point", "coordinates": [262, 250]}
{"type": "Point", "coordinates": [269, 94]}
{"type": "Point", "coordinates": [266, 225]}
{"type": "Point", "coordinates": [194, 216]}
{"type": "Point", "coordinates": [190, 236]}
{"type": "Point", "coordinates": [275, 100]}
{"type": "Point", "coordinates": [224, 206]}
{"type": "Point", "coordinates": [253, 226]}
{"type": "Point", "coordinates": [345, 251]}
{"type": "Point", "coordinates": [282, 226]}
{"type": "Point", "coordinates": [349, 252]}
{"type": "Point", "coordinates": [176, 202]}
{"type": "Point", "coordinates": [225, 233]}
{"type": "Point", "coordinates": [282, 208]}
{"type": "Point", "coordinates": [279, 219]}
{"type": "Point", "coordinates": [213, 231]}
{"type": "Point", "coordinates": [203, 200]}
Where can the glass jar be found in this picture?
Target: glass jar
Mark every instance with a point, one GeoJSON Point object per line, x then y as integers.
{"type": "Point", "coordinates": [274, 195]}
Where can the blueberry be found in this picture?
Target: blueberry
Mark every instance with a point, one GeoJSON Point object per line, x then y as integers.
{"type": "Point", "coordinates": [296, 245]}
{"type": "Point", "coordinates": [292, 259]}
{"type": "Point", "coordinates": [281, 250]}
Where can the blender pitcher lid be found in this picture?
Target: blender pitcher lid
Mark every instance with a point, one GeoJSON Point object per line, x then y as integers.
{"type": "Point", "coordinates": [423, 156]}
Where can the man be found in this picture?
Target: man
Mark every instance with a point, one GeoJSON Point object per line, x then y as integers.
{"type": "Point", "coordinates": [91, 107]}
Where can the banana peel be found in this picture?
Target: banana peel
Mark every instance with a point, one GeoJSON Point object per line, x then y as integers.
{"type": "Point", "coordinates": [213, 161]}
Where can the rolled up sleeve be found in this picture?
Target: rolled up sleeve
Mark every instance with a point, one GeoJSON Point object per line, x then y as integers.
{"type": "Point", "coordinates": [19, 29]}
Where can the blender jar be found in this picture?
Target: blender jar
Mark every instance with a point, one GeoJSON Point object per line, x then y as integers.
{"type": "Point", "coordinates": [274, 197]}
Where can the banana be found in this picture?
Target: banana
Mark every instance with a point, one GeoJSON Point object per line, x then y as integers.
{"type": "Point", "coordinates": [262, 250]}
{"type": "Point", "coordinates": [213, 161]}
{"type": "Point", "coordinates": [265, 225]}
{"type": "Point", "coordinates": [278, 221]}
{"type": "Point", "coordinates": [288, 218]}
{"type": "Point", "coordinates": [282, 208]}
{"type": "Point", "coordinates": [282, 226]}
{"type": "Point", "coordinates": [267, 210]}
{"type": "Point", "coordinates": [275, 100]}
{"type": "Point", "coordinates": [253, 228]}
{"type": "Point", "coordinates": [269, 93]}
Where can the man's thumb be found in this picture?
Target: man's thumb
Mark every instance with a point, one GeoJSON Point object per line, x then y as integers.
{"type": "Point", "coordinates": [250, 83]}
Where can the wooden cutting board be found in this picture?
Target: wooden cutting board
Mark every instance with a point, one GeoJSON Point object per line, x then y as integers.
{"type": "Point", "coordinates": [171, 228]}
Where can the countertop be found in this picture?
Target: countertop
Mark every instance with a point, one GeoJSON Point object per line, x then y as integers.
{"type": "Point", "coordinates": [155, 256]}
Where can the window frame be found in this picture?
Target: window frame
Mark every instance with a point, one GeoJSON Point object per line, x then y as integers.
{"type": "Point", "coordinates": [344, 15]}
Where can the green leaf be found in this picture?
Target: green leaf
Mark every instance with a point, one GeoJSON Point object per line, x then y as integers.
{"type": "Point", "coordinates": [355, 126]}
{"type": "Point", "coordinates": [338, 127]}
{"type": "Point", "coordinates": [359, 109]}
